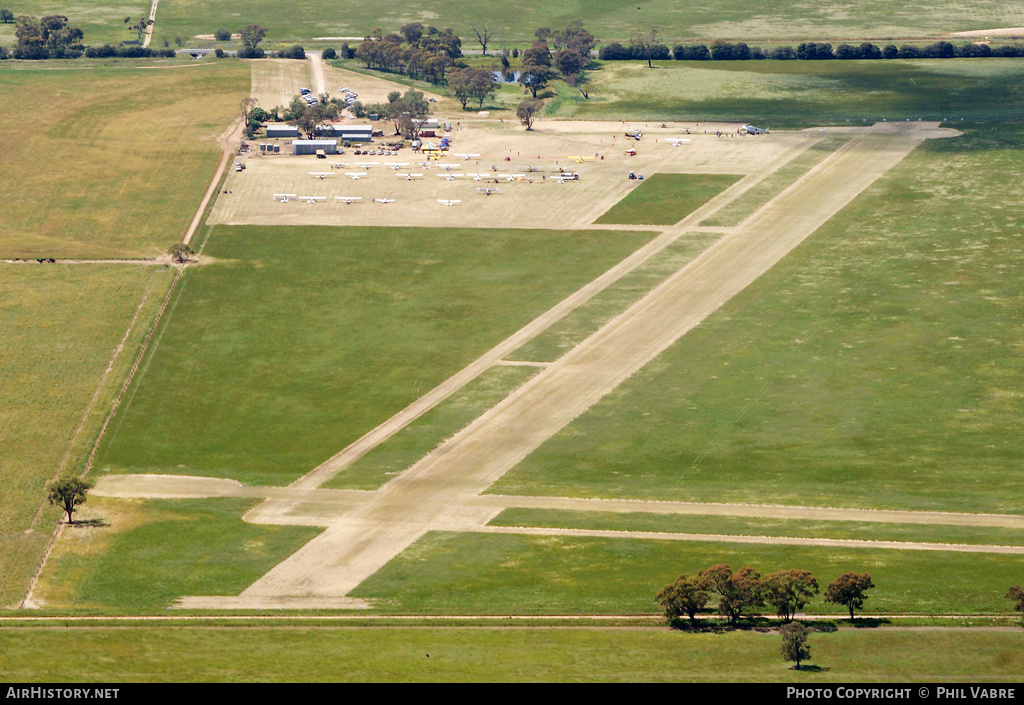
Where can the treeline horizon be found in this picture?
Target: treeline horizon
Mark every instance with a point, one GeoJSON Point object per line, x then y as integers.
{"type": "Point", "coordinates": [805, 51]}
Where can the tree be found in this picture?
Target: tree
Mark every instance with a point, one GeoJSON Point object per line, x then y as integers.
{"type": "Point", "coordinates": [684, 596]}
{"type": "Point", "coordinates": [848, 590]}
{"type": "Point", "coordinates": [222, 35]}
{"type": "Point", "coordinates": [180, 252]}
{"type": "Point", "coordinates": [484, 35]}
{"type": "Point", "coordinates": [412, 32]}
{"type": "Point", "coordinates": [6, 16]}
{"type": "Point", "coordinates": [252, 34]}
{"type": "Point", "coordinates": [1017, 595]}
{"type": "Point", "coordinates": [528, 110]}
{"type": "Point", "coordinates": [644, 42]}
{"type": "Point", "coordinates": [794, 643]}
{"type": "Point", "coordinates": [68, 493]}
{"type": "Point", "coordinates": [789, 591]}
{"type": "Point", "coordinates": [471, 83]}
{"type": "Point", "coordinates": [737, 592]}
{"type": "Point", "coordinates": [535, 78]}
{"type": "Point", "coordinates": [329, 53]}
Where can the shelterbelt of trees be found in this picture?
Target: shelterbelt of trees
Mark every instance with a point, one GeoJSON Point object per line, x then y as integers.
{"type": "Point", "coordinates": [648, 49]}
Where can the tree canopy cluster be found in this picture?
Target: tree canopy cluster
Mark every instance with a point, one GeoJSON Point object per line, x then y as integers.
{"type": "Point", "coordinates": [644, 47]}
{"type": "Point", "coordinates": [425, 53]}
{"type": "Point", "coordinates": [48, 38]}
{"type": "Point", "coordinates": [744, 591]}
{"type": "Point", "coordinates": [406, 111]}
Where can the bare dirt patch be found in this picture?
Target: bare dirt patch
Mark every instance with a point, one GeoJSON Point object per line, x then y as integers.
{"type": "Point", "coordinates": [524, 198]}
{"type": "Point", "coordinates": [999, 32]}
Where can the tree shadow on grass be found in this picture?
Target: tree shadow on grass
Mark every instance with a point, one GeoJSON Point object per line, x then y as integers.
{"type": "Point", "coordinates": [88, 523]}
{"type": "Point", "coordinates": [810, 669]}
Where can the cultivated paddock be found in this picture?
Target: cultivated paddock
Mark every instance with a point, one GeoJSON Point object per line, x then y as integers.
{"type": "Point", "coordinates": [531, 199]}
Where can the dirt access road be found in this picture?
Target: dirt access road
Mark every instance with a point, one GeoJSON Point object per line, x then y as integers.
{"type": "Point", "coordinates": [442, 491]}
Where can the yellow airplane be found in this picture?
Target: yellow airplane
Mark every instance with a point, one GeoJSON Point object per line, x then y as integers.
{"type": "Point", "coordinates": [580, 160]}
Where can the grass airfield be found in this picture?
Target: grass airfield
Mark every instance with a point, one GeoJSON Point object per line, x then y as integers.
{"type": "Point", "coordinates": [914, 222]}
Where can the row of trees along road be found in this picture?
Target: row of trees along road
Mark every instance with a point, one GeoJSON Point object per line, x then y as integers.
{"type": "Point", "coordinates": [745, 590]}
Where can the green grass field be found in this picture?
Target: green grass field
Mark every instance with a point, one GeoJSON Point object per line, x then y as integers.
{"type": "Point", "coordinates": [52, 362]}
{"type": "Point", "coordinates": [873, 367]}
{"type": "Point", "coordinates": [303, 339]}
{"type": "Point", "coordinates": [480, 654]}
{"type": "Point", "coordinates": [756, 526]}
{"type": "Point", "coordinates": [665, 199]}
{"type": "Point", "coordinates": [514, 574]}
{"type": "Point", "coordinates": [779, 94]}
{"type": "Point", "coordinates": [608, 20]}
{"type": "Point", "coordinates": [109, 160]}
{"type": "Point", "coordinates": [129, 558]}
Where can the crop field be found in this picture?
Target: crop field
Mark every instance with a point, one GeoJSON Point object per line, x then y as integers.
{"type": "Point", "coordinates": [128, 134]}
{"type": "Point", "coordinates": [101, 21]}
{"type": "Point", "coordinates": [608, 20]}
{"type": "Point", "coordinates": [56, 385]}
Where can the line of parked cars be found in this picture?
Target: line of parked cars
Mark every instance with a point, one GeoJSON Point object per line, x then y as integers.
{"type": "Point", "coordinates": [307, 95]}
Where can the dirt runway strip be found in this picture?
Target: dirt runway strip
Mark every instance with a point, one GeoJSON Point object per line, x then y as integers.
{"type": "Point", "coordinates": [437, 492]}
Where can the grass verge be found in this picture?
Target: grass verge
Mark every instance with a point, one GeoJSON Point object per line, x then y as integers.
{"type": "Point", "coordinates": [665, 199]}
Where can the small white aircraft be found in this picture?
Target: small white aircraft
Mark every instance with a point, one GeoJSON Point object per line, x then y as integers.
{"type": "Point", "coordinates": [677, 141]}
{"type": "Point", "coordinates": [467, 157]}
{"type": "Point", "coordinates": [515, 177]}
{"type": "Point", "coordinates": [448, 177]}
{"type": "Point", "coordinates": [366, 165]}
{"type": "Point", "coordinates": [448, 203]}
{"type": "Point", "coordinates": [477, 177]}
{"type": "Point", "coordinates": [397, 166]}
{"type": "Point", "coordinates": [488, 191]}
{"type": "Point", "coordinates": [339, 165]}
{"type": "Point", "coordinates": [348, 200]}
{"type": "Point", "coordinates": [409, 177]}
{"type": "Point", "coordinates": [321, 174]}
{"type": "Point", "coordinates": [311, 199]}
{"type": "Point", "coordinates": [356, 175]}
{"type": "Point", "coordinates": [449, 167]}
{"type": "Point", "coordinates": [531, 169]}
{"type": "Point", "coordinates": [383, 200]}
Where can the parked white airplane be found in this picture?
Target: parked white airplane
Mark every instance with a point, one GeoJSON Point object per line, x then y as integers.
{"type": "Point", "coordinates": [357, 174]}
{"type": "Point", "coordinates": [348, 200]}
{"type": "Point", "coordinates": [311, 199]}
{"type": "Point", "coordinates": [488, 191]}
{"type": "Point", "coordinates": [467, 157]}
{"type": "Point", "coordinates": [409, 177]}
{"type": "Point", "coordinates": [448, 203]}
{"type": "Point", "coordinates": [339, 165]}
{"type": "Point", "coordinates": [383, 200]}
{"type": "Point", "coordinates": [677, 141]}
{"type": "Point", "coordinates": [448, 177]}
{"type": "Point", "coordinates": [321, 174]}
{"type": "Point", "coordinates": [366, 165]}
{"type": "Point", "coordinates": [398, 165]}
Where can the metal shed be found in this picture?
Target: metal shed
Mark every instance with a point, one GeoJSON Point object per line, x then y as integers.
{"type": "Point", "coordinates": [311, 146]}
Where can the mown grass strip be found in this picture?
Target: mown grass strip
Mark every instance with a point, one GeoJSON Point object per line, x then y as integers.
{"type": "Point", "coordinates": [756, 526]}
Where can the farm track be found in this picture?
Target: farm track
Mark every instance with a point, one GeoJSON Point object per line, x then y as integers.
{"type": "Point", "coordinates": [443, 490]}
